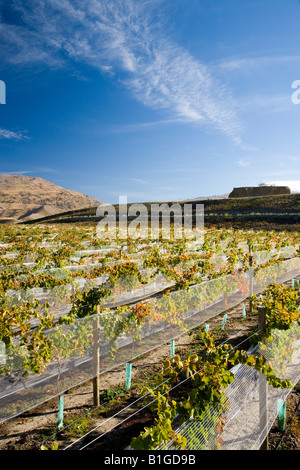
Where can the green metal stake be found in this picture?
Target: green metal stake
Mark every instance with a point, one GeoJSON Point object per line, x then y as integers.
{"type": "Point", "coordinates": [281, 414]}
{"type": "Point", "coordinates": [60, 418]}
{"type": "Point", "coordinates": [172, 348]}
{"type": "Point", "coordinates": [244, 311]}
{"type": "Point", "coordinates": [293, 283]}
{"type": "Point", "coordinates": [224, 321]}
{"type": "Point", "coordinates": [128, 376]}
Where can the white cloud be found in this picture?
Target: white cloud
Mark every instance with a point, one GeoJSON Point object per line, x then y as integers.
{"type": "Point", "coordinates": [26, 172]}
{"type": "Point", "coordinates": [243, 162]}
{"type": "Point", "coordinates": [245, 64]}
{"type": "Point", "coordinates": [266, 103]}
{"type": "Point", "coordinates": [11, 135]}
{"type": "Point", "coordinates": [137, 126]}
{"type": "Point", "coordinates": [138, 180]}
{"type": "Point", "coordinates": [294, 185]}
{"type": "Point", "coordinates": [121, 38]}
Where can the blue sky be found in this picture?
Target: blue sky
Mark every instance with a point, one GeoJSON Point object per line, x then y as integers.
{"type": "Point", "coordinates": [155, 100]}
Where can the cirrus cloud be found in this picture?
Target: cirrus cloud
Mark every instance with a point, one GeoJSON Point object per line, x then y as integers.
{"type": "Point", "coordinates": [120, 38]}
{"type": "Point", "coordinates": [11, 135]}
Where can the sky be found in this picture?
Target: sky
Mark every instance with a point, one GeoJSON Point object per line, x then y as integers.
{"type": "Point", "coordinates": [151, 99]}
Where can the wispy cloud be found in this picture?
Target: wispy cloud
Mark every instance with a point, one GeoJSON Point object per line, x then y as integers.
{"type": "Point", "coordinates": [244, 162]}
{"type": "Point", "coordinates": [20, 172]}
{"type": "Point", "coordinates": [265, 63]}
{"type": "Point", "coordinates": [120, 38]}
{"type": "Point", "coordinates": [294, 185]}
{"type": "Point", "coordinates": [246, 64]}
{"type": "Point", "coordinates": [266, 103]}
{"type": "Point", "coordinates": [11, 135]}
{"type": "Point", "coordinates": [138, 180]}
{"type": "Point", "coordinates": [29, 172]}
{"type": "Point", "coordinates": [137, 126]}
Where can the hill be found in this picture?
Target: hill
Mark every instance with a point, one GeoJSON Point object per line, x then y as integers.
{"type": "Point", "coordinates": [25, 198]}
{"type": "Point", "coordinates": [280, 212]}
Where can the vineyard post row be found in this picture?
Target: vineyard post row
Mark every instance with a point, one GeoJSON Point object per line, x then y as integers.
{"type": "Point", "coordinates": [96, 343]}
{"type": "Point", "coordinates": [128, 370]}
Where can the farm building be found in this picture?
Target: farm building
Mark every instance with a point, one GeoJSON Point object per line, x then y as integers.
{"type": "Point", "coordinates": [252, 191]}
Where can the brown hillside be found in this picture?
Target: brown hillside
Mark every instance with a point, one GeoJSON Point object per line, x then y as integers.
{"type": "Point", "coordinates": [24, 198]}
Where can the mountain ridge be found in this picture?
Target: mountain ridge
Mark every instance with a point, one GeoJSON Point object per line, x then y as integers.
{"type": "Point", "coordinates": [24, 198]}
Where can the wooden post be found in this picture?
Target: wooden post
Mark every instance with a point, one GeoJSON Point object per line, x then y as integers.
{"type": "Point", "coordinates": [2, 353]}
{"type": "Point", "coordinates": [262, 319]}
{"type": "Point", "coordinates": [96, 359]}
{"type": "Point", "coordinates": [263, 384]}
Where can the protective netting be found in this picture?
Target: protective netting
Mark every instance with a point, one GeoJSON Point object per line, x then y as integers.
{"type": "Point", "coordinates": [119, 338]}
{"type": "Point", "coordinates": [60, 298]}
{"type": "Point", "coordinates": [126, 290]}
{"type": "Point", "coordinates": [251, 402]}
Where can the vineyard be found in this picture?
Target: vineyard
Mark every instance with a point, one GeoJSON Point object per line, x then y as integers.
{"type": "Point", "coordinates": [74, 309]}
